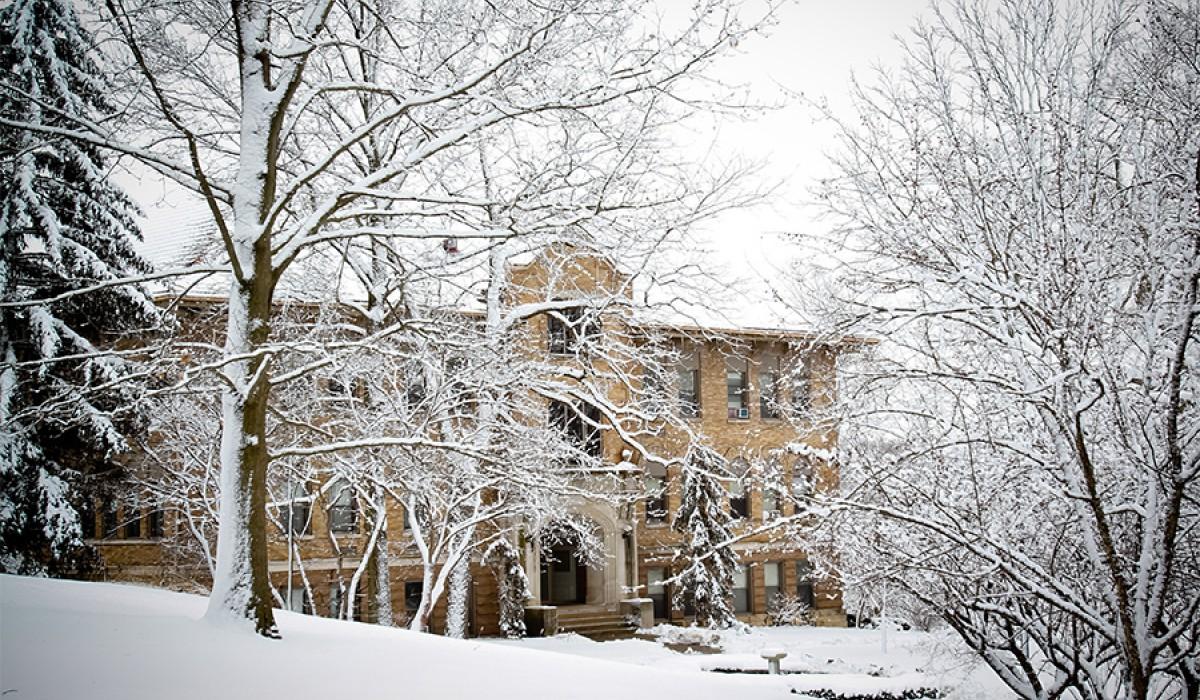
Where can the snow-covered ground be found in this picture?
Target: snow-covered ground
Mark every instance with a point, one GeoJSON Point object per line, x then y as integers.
{"type": "Point", "coordinates": [845, 661]}
{"type": "Point", "coordinates": [66, 639]}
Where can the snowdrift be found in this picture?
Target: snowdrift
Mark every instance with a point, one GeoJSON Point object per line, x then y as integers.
{"type": "Point", "coordinates": [61, 640]}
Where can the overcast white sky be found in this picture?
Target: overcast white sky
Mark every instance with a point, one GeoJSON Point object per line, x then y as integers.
{"type": "Point", "coordinates": [813, 50]}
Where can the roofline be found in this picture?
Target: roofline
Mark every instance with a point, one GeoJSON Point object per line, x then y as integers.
{"type": "Point", "coordinates": [672, 329]}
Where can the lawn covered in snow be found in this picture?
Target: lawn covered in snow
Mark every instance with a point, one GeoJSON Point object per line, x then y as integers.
{"type": "Point", "coordinates": [848, 661]}
{"type": "Point", "coordinates": [67, 639]}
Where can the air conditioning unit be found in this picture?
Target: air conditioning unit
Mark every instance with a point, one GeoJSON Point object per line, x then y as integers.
{"type": "Point", "coordinates": [743, 413]}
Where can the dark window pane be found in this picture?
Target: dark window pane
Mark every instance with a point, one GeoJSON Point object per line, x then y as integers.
{"type": "Point", "coordinates": [343, 509]}
{"type": "Point", "coordinates": [154, 523]}
{"type": "Point", "coordinates": [132, 524]}
{"type": "Point", "coordinates": [412, 595]}
{"type": "Point", "coordinates": [110, 521]}
{"type": "Point", "coordinates": [87, 519]}
{"type": "Point", "coordinates": [804, 582]}
{"type": "Point", "coordinates": [689, 392]}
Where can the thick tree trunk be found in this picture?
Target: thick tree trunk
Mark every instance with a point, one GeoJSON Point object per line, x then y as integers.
{"type": "Point", "coordinates": [241, 587]}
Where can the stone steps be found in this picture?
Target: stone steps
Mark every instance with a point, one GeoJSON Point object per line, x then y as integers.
{"type": "Point", "coordinates": [597, 625]}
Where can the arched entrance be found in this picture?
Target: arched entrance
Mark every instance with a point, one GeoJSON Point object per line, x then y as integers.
{"type": "Point", "coordinates": [573, 561]}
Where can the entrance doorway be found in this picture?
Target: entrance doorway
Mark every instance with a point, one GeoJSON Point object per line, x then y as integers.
{"type": "Point", "coordinates": [564, 577]}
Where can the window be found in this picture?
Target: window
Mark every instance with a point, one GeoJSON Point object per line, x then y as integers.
{"type": "Point", "coordinates": [299, 601]}
{"type": "Point", "coordinates": [689, 383]}
{"type": "Point", "coordinates": [739, 505]}
{"type": "Point", "coordinates": [567, 329]}
{"type": "Point", "coordinates": [335, 600]}
{"type": "Point", "coordinates": [296, 513]}
{"type": "Point", "coordinates": [335, 603]}
{"type": "Point", "coordinates": [656, 493]}
{"type": "Point", "coordinates": [109, 520]}
{"type": "Point", "coordinates": [804, 582]}
{"type": "Point", "coordinates": [741, 590]}
{"type": "Point", "coordinates": [656, 591]}
{"type": "Point", "coordinates": [802, 483]}
{"type": "Point", "coordinates": [772, 579]}
{"type": "Point", "coordinates": [343, 508]}
{"type": "Point", "coordinates": [770, 502]}
{"type": "Point", "coordinates": [88, 520]}
{"type": "Point", "coordinates": [420, 511]}
{"type": "Point", "coordinates": [154, 524]}
{"type": "Point", "coordinates": [801, 391]}
{"type": "Point", "coordinates": [768, 390]}
{"type": "Point", "coordinates": [580, 427]}
{"type": "Point", "coordinates": [414, 385]}
{"type": "Point", "coordinates": [412, 596]}
{"type": "Point", "coordinates": [736, 385]}
{"type": "Point", "coordinates": [132, 523]}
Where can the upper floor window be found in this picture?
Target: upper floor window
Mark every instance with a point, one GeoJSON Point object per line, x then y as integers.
{"type": "Point", "coordinates": [737, 384]}
{"type": "Point", "coordinates": [768, 387]}
{"type": "Point", "coordinates": [689, 383]}
{"type": "Point", "coordinates": [343, 508]}
{"type": "Point", "coordinates": [802, 390]}
{"type": "Point", "coordinates": [296, 511]}
{"type": "Point", "coordinates": [415, 389]}
{"type": "Point", "coordinates": [656, 493]}
{"type": "Point", "coordinates": [770, 502]}
{"type": "Point", "coordinates": [567, 329]}
{"type": "Point", "coordinates": [802, 483]}
{"type": "Point", "coordinates": [739, 505]}
{"type": "Point", "coordinates": [579, 425]}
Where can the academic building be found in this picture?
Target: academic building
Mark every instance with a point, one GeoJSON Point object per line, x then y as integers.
{"type": "Point", "coordinates": [730, 384]}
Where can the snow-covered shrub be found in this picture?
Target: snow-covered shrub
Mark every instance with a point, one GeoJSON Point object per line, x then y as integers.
{"type": "Point", "coordinates": [788, 609]}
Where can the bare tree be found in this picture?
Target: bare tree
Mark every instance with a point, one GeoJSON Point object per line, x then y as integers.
{"type": "Point", "coordinates": [1019, 217]}
{"type": "Point", "coordinates": [233, 101]}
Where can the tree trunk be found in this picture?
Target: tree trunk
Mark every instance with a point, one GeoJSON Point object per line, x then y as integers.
{"type": "Point", "coordinates": [460, 590]}
{"type": "Point", "coordinates": [241, 586]}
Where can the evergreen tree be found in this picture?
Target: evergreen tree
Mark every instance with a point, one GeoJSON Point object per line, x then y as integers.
{"type": "Point", "coordinates": [63, 227]}
{"type": "Point", "coordinates": [511, 584]}
{"type": "Point", "coordinates": [707, 562]}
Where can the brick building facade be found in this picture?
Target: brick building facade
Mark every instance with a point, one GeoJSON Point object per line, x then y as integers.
{"type": "Point", "coordinates": [730, 380]}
